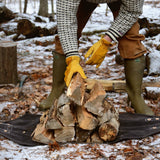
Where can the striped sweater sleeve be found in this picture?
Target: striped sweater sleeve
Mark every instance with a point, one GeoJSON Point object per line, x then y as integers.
{"type": "Point", "coordinates": [129, 12]}
{"type": "Point", "coordinates": [67, 25]}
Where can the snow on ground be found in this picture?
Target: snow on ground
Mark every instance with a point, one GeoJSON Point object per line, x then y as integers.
{"type": "Point", "coordinates": [33, 58]}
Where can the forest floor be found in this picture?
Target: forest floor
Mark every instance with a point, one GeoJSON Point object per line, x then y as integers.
{"type": "Point", "coordinates": [35, 64]}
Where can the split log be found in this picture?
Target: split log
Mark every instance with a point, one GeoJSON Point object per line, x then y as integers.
{"type": "Point", "coordinates": [76, 89]}
{"type": "Point", "coordinates": [85, 119]}
{"type": "Point", "coordinates": [5, 13]}
{"type": "Point", "coordinates": [108, 113]}
{"type": "Point", "coordinates": [53, 122]}
{"type": "Point", "coordinates": [109, 130]}
{"type": "Point", "coordinates": [41, 134]}
{"type": "Point", "coordinates": [62, 100]}
{"type": "Point", "coordinates": [94, 103]}
{"type": "Point", "coordinates": [8, 62]}
{"type": "Point", "coordinates": [66, 134]}
{"type": "Point", "coordinates": [64, 114]}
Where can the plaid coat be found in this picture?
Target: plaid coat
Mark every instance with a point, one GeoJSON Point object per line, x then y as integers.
{"type": "Point", "coordinates": [129, 12]}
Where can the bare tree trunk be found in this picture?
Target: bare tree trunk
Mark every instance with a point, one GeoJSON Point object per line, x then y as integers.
{"type": "Point", "coordinates": [43, 8]}
{"type": "Point", "coordinates": [8, 63]}
{"type": "Point", "coordinates": [107, 9]}
{"type": "Point", "coordinates": [52, 8]}
{"type": "Point", "coordinates": [20, 6]}
{"type": "Point", "coordinates": [25, 6]}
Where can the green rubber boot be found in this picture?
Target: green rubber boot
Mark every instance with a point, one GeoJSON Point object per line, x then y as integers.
{"type": "Point", "coordinates": [134, 69]}
{"type": "Point", "coordinates": [58, 84]}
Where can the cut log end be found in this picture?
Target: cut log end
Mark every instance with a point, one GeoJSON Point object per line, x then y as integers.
{"type": "Point", "coordinates": [107, 132]}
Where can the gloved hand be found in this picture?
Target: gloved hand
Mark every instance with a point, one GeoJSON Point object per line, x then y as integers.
{"type": "Point", "coordinates": [73, 66]}
{"type": "Point", "coordinates": [98, 52]}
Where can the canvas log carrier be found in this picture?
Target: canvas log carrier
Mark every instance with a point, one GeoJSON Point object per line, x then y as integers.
{"type": "Point", "coordinates": [132, 126]}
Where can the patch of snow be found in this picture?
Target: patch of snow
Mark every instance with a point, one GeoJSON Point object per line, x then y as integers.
{"type": "Point", "coordinates": [2, 4]}
{"type": "Point", "coordinates": [4, 105]}
{"type": "Point", "coordinates": [2, 34]}
{"type": "Point", "coordinates": [154, 62]}
{"type": "Point", "coordinates": [153, 89]}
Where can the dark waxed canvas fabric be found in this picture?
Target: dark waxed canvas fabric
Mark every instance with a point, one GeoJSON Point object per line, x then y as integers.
{"type": "Point", "coordinates": [132, 126]}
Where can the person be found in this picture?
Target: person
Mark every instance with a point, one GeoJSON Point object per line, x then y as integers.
{"type": "Point", "coordinates": [72, 16]}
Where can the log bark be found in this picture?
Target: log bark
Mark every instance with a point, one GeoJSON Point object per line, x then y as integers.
{"type": "Point", "coordinates": [8, 63]}
{"type": "Point", "coordinates": [76, 89]}
{"type": "Point", "coordinates": [94, 103]}
{"type": "Point", "coordinates": [5, 13]}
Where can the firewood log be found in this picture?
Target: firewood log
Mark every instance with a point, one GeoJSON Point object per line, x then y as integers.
{"type": "Point", "coordinates": [41, 134]}
{"type": "Point", "coordinates": [82, 135]}
{"type": "Point", "coordinates": [109, 130]}
{"type": "Point", "coordinates": [76, 89]}
{"type": "Point", "coordinates": [65, 115]}
{"type": "Point", "coordinates": [62, 100]}
{"type": "Point", "coordinates": [94, 103]}
{"type": "Point", "coordinates": [85, 119]}
{"type": "Point", "coordinates": [66, 134]}
{"type": "Point", "coordinates": [53, 122]}
{"type": "Point", "coordinates": [108, 113]}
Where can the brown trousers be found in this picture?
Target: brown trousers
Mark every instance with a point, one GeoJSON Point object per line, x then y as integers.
{"type": "Point", "coordinates": [130, 46]}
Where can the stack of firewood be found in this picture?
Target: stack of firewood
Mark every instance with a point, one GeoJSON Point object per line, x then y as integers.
{"type": "Point", "coordinates": [79, 115]}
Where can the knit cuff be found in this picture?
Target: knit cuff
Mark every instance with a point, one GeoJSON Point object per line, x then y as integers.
{"type": "Point", "coordinates": [72, 53]}
{"type": "Point", "coordinates": [113, 34]}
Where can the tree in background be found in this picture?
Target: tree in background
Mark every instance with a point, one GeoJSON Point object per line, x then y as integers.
{"type": "Point", "coordinates": [43, 8]}
{"type": "Point", "coordinates": [20, 6]}
{"type": "Point", "coordinates": [52, 8]}
{"type": "Point", "coordinates": [25, 6]}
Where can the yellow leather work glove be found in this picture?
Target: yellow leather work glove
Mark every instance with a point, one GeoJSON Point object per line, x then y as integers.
{"type": "Point", "coordinates": [98, 52]}
{"type": "Point", "coordinates": [73, 66]}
